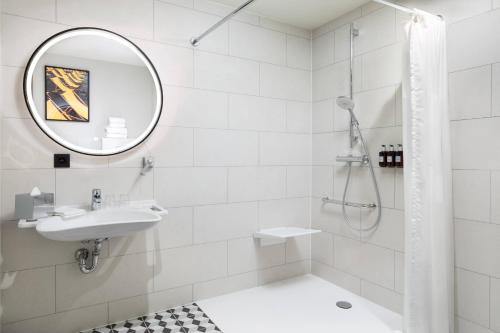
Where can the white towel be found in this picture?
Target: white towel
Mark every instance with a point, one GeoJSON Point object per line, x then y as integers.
{"type": "Point", "coordinates": [68, 212]}
{"type": "Point", "coordinates": [116, 130]}
{"type": "Point", "coordinates": [116, 125]}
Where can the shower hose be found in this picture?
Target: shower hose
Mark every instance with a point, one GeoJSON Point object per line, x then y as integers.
{"type": "Point", "coordinates": [347, 219]}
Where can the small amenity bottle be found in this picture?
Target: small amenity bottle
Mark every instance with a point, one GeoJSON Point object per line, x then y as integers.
{"type": "Point", "coordinates": [399, 156]}
{"type": "Point", "coordinates": [382, 157]}
{"type": "Point", "coordinates": [391, 157]}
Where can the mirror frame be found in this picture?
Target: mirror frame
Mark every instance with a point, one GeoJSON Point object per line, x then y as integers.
{"type": "Point", "coordinates": [40, 121]}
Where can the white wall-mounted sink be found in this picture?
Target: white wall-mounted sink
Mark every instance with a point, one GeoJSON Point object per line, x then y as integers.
{"type": "Point", "coordinates": [98, 224]}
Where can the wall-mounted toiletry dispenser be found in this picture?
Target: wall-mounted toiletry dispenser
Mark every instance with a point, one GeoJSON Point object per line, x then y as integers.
{"type": "Point", "coordinates": [382, 157]}
{"type": "Point", "coordinates": [399, 156]}
{"type": "Point", "coordinates": [392, 157]}
{"type": "Point", "coordinates": [34, 205]}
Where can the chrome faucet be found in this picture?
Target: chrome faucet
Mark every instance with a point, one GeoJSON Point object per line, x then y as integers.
{"type": "Point", "coordinates": [96, 199]}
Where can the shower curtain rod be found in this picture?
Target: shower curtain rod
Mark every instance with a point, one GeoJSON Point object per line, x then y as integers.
{"type": "Point", "coordinates": [195, 41]}
{"type": "Point", "coordinates": [402, 8]}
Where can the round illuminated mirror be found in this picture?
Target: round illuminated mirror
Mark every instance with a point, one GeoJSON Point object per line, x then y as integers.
{"type": "Point", "coordinates": [93, 91]}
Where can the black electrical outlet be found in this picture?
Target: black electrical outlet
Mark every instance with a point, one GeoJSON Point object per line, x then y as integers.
{"type": "Point", "coordinates": [61, 161]}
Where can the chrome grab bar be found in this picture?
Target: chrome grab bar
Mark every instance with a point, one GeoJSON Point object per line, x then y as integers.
{"type": "Point", "coordinates": [363, 159]}
{"type": "Point", "coordinates": [349, 204]}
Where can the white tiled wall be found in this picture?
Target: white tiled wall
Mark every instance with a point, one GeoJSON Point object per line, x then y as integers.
{"type": "Point", "coordinates": [474, 91]}
{"type": "Point", "coordinates": [373, 265]}
{"type": "Point", "coordinates": [369, 263]}
{"type": "Point", "coordinates": [233, 154]}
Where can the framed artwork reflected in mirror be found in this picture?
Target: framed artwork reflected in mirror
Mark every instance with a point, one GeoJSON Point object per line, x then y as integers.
{"type": "Point", "coordinates": [66, 94]}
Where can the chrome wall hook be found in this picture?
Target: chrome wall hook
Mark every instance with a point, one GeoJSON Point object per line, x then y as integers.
{"type": "Point", "coordinates": [148, 164]}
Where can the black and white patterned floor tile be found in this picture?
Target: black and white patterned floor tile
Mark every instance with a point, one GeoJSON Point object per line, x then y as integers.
{"type": "Point", "coordinates": [182, 319]}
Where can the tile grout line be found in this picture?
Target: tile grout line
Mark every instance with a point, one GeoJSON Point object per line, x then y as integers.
{"type": "Point", "coordinates": [489, 302]}
{"type": "Point", "coordinates": [491, 90]}
{"type": "Point", "coordinates": [490, 210]}
{"type": "Point", "coordinates": [55, 289]}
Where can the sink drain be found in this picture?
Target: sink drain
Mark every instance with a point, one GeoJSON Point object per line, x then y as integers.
{"type": "Point", "coordinates": [344, 305]}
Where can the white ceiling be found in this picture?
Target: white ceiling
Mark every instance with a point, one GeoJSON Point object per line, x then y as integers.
{"type": "Point", "coordinates": [308, 14]}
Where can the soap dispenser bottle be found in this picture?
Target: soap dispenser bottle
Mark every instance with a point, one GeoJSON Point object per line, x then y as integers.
{"type": "Point", "coordinates": [382, 157]}
{"type": "Point", "coordinates": [399, 156]}
{"type": "Point", "coordinates": [391, 163]}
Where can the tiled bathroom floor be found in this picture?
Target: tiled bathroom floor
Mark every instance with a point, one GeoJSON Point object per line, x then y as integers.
{"type": "Point", "coordinates": [182, 319]}
{"type": "Point", "coordinates": [302, 304]}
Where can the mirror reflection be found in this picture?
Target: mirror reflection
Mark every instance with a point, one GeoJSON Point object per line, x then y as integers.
{"type": "Point", "coordinates": [93, 91]}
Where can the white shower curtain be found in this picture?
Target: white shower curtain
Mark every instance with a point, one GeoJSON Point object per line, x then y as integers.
{"type": "Point", "coordinates": [428, 204]}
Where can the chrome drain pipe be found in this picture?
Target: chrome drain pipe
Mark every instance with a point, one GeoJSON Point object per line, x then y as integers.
{"type": "Point", "coordinates": [82, 257]}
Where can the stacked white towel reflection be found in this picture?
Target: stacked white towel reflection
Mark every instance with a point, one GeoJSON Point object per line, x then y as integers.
{"type": "Point", "coordinates": [116, 128]}
{"type": "Point", "coordinates": [116, 122]}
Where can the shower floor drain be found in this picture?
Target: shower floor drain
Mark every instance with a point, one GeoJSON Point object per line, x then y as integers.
{"type": "Point", "coordinates": [344, 305]}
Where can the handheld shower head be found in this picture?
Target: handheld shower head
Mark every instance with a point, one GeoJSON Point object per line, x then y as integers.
{"type": "Point", "coordinates": [345, 103]}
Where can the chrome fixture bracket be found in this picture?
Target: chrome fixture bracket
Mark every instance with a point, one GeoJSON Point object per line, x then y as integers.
{"type": "Point", "coordinates": [87, 261]}
{"type": "Point", "coordinates": [148, 163]}
{"type": "Point", "coordinates": [327, 200]}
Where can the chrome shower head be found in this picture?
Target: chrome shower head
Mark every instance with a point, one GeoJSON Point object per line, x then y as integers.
{"type": "Point", "coordinates": [345, 103]}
